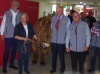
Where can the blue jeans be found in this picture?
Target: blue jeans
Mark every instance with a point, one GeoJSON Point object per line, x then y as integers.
{"type": "Point", "coordinates": [58, 48]}
{"type": "Point", "coordinates": [94, 52]}
{"type": "Point", "coordinates": [9, 43]}
{"type": "Point", "coordinates": [23, 57]}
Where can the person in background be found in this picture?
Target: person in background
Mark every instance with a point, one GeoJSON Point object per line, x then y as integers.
{"type": "Point", "coordinates": [83, 18]}
{"type": "Point", "coordinates": [77, 42]}
{"type": "Point", "coordinates": [59, 26]}
{"type": "Point", "coordinates": [23, 33]}
{"type": "Point", "coordinates": [10, 19]}
{"type": "Point", "coordinates": [91, 19]}
{"type": "Point", "coordinates": [70, 15]}
{"type": "Point", "coordinates": [95, 45]}
{"type": "Point", "coordinates": [53, 13]}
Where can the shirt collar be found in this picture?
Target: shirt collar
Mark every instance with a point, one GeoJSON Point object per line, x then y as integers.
{"type": "Point", "coordinates": [75, 23]}
{"type": "Point", "coordinates": [60, 16]}
{"type": "Point", "coordinates": [13, 11]}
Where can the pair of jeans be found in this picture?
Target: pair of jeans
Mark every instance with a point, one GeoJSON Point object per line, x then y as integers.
{"type": "Point", "coordinates": [80, 57]}
{"type": "Point", "coordinates": [58, 48]}
{"type": "Point", "coordinates": [94, 52]}
{"type": "Point", "coordinates": [23, 59]}
{"type": "Point", "coordinates": [9, 43]}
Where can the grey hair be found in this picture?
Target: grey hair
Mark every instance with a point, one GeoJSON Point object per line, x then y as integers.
{"type": "Point", "coordinates": [15, 1]}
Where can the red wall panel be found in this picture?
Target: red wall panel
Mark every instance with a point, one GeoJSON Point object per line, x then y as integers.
{"type": "Point", "coordinates": [31, 8]}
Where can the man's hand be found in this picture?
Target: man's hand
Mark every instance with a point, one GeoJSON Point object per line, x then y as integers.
{"type": "Point", "coordinates": [2, 37]}
{"type": "Point", "coordinates": [67, 49]}
{"type": "Point", "coordinates": [86, 48]}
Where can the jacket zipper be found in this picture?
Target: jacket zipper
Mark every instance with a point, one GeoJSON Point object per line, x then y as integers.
{"type": "Point", "coordinates": [57, 36]}
{"type": "Point", "coordinates": [76, 37]}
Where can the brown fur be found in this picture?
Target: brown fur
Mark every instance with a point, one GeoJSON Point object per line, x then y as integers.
{"type": "Point", "coordinates": [43, 32]}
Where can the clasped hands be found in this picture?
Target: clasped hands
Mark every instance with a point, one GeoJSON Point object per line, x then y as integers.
{"type": "Point", "coordinates": [85, 49]}
{"type": "Point", "coordinates": [29, 40]}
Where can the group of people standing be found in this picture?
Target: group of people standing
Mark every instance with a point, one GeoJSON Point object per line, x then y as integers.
{"type": "Point", "coordinates": [77, 34]}
{"type": "Point", "coordinates": [71, 34]}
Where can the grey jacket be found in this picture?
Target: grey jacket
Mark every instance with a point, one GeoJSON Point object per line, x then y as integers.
{"type": "Point", "coordinates": [95, 31]}
{"type": "Point", "coordinates": [78, 36]}
{"type": "Point", "coordinates": [58, 36]}
{"type": "Point", "coordinates": [9, 28]}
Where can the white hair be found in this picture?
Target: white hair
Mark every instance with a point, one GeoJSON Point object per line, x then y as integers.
{"type": "Point", "coordinates": [15, 1]}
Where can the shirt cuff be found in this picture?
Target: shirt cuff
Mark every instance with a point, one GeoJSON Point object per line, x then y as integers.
{"type": "Point", "coordinates": [87, 45]}
{"type": "Point", "coordinates": [67, 46]}
{"type": "Point", "coordinates": [1, 33]}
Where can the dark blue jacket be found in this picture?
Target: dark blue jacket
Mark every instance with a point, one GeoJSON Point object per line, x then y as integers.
{"type": "Point", "coordinates": [20, 31]}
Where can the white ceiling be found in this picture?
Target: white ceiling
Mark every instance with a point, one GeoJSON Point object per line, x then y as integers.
{"type": "Point", "coordinates": [70, 1]}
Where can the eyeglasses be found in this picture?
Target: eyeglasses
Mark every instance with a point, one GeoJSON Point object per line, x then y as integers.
{"type": "Point", "coordinates": [75, 16]}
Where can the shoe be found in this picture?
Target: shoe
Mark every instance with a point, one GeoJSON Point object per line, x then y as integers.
{"type": "Point", "coordinates": [4, 70]}
{"type": "Point", "coordinates": [61, 72]}
{"type": "Point", "coordinates": [27, 72]}
{"type": "Point", "coordinates": [91, 70]}
{"type": "Point", "coordinates": [87, 53]}
{"type": "Point", "coordinates": [13, 67]}
{"type": "Point", "coordinates": [99, 69]}
{"type": "Point", "coordinates": [52, 71]}
{"type": "Point", "coordinates": [20, 72]}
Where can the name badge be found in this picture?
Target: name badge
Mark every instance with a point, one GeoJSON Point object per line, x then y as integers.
{"type": "Point", "coordinates": [81, 26]}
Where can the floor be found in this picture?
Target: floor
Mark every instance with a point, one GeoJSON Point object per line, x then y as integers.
{"type": "Point", "coordinates": [37, 69]}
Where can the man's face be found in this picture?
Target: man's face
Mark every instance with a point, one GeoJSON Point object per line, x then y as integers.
{"type": "Point", "coordinates": [14, 5]}
{"type": "Point", "coordinates": [59, 11]}
{"type": "Point", "coordinates": [76, 17]}
{"type": "Point", "coordinates": [82, 15]}
{"type": "Point", "coordinates": [90, 13]}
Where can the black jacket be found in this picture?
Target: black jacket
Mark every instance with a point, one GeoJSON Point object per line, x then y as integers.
{"type": "Point", "coordinates": [20, 31]}
{"type": "Point", "coordinates": [92, 20]}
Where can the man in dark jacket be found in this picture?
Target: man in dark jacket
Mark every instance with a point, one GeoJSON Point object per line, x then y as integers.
{"type": "Point", "coordinates": [91, 19]}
